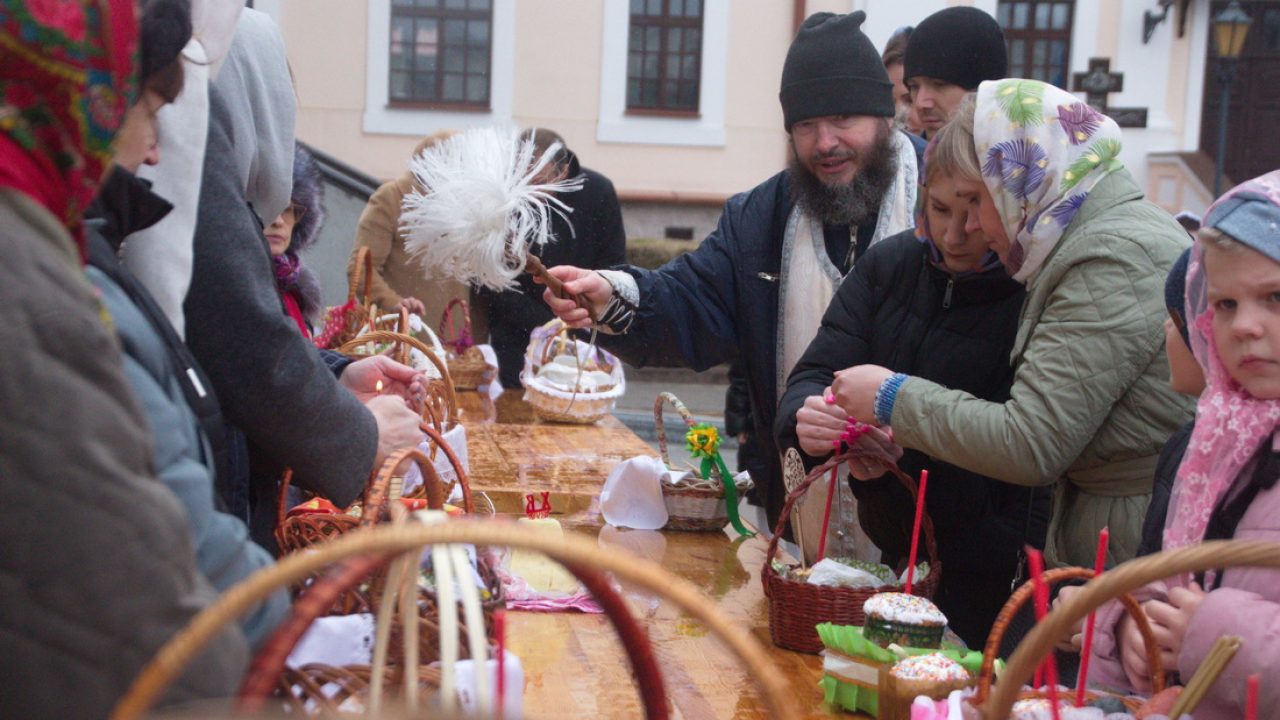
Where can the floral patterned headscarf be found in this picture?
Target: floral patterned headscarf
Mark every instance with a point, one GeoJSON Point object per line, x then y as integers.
{"type": "Point", "coordinates": [1042, 151]}
{"type": "Point", "coordinates": [1231, 424]}
{"type": "Point", "coordinates": [65, 83]}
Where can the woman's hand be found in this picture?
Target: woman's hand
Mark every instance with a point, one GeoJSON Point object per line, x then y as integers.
{"type": "Point", "coordinates": [855, 390]}
{"type": "Point", "coordinates": [819, 425]}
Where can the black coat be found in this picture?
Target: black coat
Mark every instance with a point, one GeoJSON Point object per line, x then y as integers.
{"type": "Point", "coordinates": [720, 303]}
{"type": "Point", "coordinates": [272, 382]}
{"type": "Point", "coordinates": [1162, 489]}
{"type": "Point", "coordinates": [592, 237]}
{"type": "Point", "coordinates": [897, 310]}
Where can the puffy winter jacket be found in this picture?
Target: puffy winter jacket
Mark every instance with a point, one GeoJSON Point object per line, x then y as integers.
{"type": "Point", "coordinates": [1090, 406]}
{"type": "Point", "coordinates": [897, 310]}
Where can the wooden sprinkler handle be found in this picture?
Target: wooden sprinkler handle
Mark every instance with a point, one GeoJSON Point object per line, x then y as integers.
{"type": "Point", "coordinates": [534, 267]}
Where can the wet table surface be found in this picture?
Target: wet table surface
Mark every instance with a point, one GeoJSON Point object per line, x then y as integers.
{"type": "Point", "coordinates": [574, 665]}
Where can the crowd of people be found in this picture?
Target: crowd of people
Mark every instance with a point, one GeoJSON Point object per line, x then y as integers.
{"type": "Point", "coordinates": [955, 261]}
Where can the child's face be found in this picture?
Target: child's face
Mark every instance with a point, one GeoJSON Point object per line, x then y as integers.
{"type": "Point", "coordinates": [1244, 291]}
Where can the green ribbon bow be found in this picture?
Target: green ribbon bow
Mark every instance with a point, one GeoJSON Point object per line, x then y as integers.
{"type": "Point", "coordinates": [703, 441]}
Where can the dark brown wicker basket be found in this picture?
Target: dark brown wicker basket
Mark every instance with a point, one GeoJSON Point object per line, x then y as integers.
{"type": "Point", "coordinates": [467, 366]}
{"type": "Point", "coordinates": [1015, 603]}
{"type": "Point", "coordinates": [797, 607]}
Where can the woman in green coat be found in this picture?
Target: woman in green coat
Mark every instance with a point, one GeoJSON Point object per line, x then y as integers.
{"type": "Point", "coordinates": [1090, 406]}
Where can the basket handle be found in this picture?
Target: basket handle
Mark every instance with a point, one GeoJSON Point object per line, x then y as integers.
{"type": "Point", "coordinates": [433, 487]}
{"type": "Point", "coordinates": [1126, 577]}
{"type": "Point", "coordinates": [660, 427]}
{"type": "Point", "coordinates": [548, 348]}
{"type": "Point", "coordinates": [373, 500]}
{"type": "Point", "coordinates": [1024, 593]}
{"type": "Point", "coordinates": [926, 523]}
{"type": "Point", "coordinates": [463, 339]}
{"type": "Point", "coordinates": [177, 653]}
{"type": "Point", "coordinates": [361, 260]}
{"type": "Point", "coordinates": [451, 397]}
{"type": "Point", "coordinates": [467, 503]}
{"type": "Point", "coordinates": [263, 672]}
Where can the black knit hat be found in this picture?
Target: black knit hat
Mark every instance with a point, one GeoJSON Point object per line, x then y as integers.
{"type": "Point", "coordinates": [961, 45]}
{"type": "Point", "coordinates": [1175, 294]}
{"type": "Point", "coordinates": [164, 29]}
{"type": "Point", "coordinates": [833, 69]}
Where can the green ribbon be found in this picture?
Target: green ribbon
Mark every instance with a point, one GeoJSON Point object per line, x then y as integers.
{"type": "Point", "coordinates": [709, 451]}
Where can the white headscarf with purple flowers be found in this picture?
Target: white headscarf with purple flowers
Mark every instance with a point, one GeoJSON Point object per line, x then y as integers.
{"type": "Point", "coordinates": [1042, 150]}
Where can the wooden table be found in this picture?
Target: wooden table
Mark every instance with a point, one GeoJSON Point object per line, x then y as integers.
{"type": "Point", "coordinates": [574, 665]}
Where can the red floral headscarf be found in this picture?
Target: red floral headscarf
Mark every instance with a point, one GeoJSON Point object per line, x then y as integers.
{"type": "Point", "coordinates": [66, 79]}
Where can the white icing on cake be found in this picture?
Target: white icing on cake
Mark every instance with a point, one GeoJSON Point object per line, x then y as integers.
{"type": "Point", "coordinates": [933, 667]}
{"type": "Point", "coordinates": [904, 608]}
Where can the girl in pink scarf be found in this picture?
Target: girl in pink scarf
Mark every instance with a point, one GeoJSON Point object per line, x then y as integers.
{"type": "Point", "coordinates": [1225, 486]}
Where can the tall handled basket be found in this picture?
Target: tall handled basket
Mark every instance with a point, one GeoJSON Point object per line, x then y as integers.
{"type": "Point", "coordinates": [466, 362]}
{"type": "Point", "coordinates": [573, 552]}
{"type": "Point", "coordinates": [797, 607]}
{"type": "Point", "coordinates": [1019, 599]}
{"type": "Point", "coordinates": [694, 503]}
{"type": "Point", "coordinates": [1124, 578]}
{"type": "Point", "coordinates": [343, 322]}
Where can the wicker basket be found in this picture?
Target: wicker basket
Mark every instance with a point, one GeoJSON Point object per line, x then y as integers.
{"type": "Point", "coordinates": [343, 322]}
{"type": "Point", "coordinates": [556, 405]}
{"type": "Point", "coordinates": [1015, 603]}
{"type": "Point", "coordinates": [797, 607]}
{"type": "Point", "coordinates": [466, 363]}
{"type": "Point", "coordinates": [695, 503]}
{"type": "Point", "coordinates": [1124, 578]}
{"type": "Point", "coordinates": [575, 553]}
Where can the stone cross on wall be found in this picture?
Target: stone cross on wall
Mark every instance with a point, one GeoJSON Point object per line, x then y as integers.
{"type": "Point", "coordinates": [1097, 83]}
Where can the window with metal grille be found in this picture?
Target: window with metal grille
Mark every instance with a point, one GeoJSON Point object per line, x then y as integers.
{"type": "Point", "coordinates": [440, 53]}
{"type": "Point", "coordinates": [664, 56]}
{"type": "Point", "coordinates": [1038, 34]}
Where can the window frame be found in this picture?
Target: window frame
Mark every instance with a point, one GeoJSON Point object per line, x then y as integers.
{"type": "Point", "coordinates": [441, 14]}
{"type": "Point", "coordinates": [665, 23]}
{"type": "Point", "coordinates": [1033, 33]}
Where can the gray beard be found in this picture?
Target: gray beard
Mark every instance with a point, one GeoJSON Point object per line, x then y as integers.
{"type": "Point", "coordinates": [854, 203]}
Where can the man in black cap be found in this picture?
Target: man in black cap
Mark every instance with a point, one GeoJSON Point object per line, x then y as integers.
{"type": "Point", "coordinates": [755, 290]}
{"type": "Point", "coordinates": [948, 55]}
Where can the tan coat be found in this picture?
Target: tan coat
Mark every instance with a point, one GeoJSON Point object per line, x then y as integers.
{"type": "Point", "coordinates": [395, 275]}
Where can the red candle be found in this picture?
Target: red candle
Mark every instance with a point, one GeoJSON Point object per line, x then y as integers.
{"type": "Point", "coordinates": [500, 635]}
{"type": "Point", "coordinates": [826, 513]}
{"type": "Point", "coordinates": [1251, 699]}
{"type": "Point", "coordinates": [915, 530]}
{"type": "Point", "coordinates": [1099, 564]}
{"type": "Point", "coordinates": [1042, 608]}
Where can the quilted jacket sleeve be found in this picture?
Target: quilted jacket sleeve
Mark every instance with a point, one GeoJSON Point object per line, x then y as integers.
{"type": "Point", "coordinates": [1095, 336]}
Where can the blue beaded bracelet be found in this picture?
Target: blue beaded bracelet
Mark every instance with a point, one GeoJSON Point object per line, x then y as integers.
{"type": "Point", "coordinates": [886, 395]}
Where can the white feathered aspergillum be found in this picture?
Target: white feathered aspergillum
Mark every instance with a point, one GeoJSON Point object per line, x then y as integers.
{"type": "Point", "coordinates": [478, 211]}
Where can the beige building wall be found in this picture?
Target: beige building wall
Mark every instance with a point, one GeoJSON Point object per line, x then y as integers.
{"type": "Point", "coordinates": [557, 84]}
{"type": "Point", "coordinates": [560, 52]}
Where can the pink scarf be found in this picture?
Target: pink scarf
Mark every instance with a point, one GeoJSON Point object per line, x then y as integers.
{"type": "Point", "coordinates": [1231, 424]}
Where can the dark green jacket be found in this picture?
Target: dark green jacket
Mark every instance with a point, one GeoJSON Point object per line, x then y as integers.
{"type": "Point", "coordinates": [1090, 405]}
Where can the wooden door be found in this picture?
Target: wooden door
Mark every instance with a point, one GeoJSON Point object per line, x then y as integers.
{"type": "Point", "coordinates": [1252, 146]}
